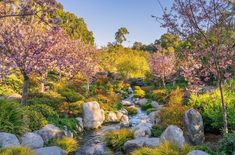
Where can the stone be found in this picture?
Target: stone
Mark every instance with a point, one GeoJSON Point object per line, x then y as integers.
{"type": "Point", "coordinates": [194, 127]}
{"type": "Point", "coordinates": [112, 117]}
{"type": "Point", "coordinates": [124, 111]}
{"type": "Point", "coordinates": [173, 134]}
{"type": "Point", "coordinates": [142, 101]}
{"type": "Point", "coordinates": [155, 104]}
{"type": "Point", "coordinates": [94, 149]}
{"type": "Point", "coordinates": [8, 139]}
{"type": "Point", "coordinates": [80, 121]}
{"type": "Point", "coordinates": [124, 121]}
{"type": "Point", "coordinates": [126, 103]}
{"type": "Point", "coordinates": [32, 140]}
{"type": "Point", "coordinates": [50, 131]}
{"type": "Point", "coordinates": [131, 145]}
{"type": "Point", "coordinates": [15, 97]}
{"type": "Point", "coordinates": [197, 152]}
{"type": "Point", "coordinates": [119, 115]}
{"type": "Point", "coordinates": [52, 150]}
{"type": "Point", "coordinates": [93, 115]}
{"type": "Point", "coordinates": [153, 117]}
{"type": "Point", "coordinates": [142, 130]}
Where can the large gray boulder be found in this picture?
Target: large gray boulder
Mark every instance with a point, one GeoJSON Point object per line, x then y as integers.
{"type": "Point", "coordinates": [32, 140]}
{"type": "Point", "coordinates": [131, 145]}
{"type": "Point", "coordinates": [197, 152]}
{"type": "Point", "coordinates": [142, 130]}
{"type": "Point", "coordinates": [194, 127]}
{"type": "Point", "coordinates": [173, 134]}
{"type": "Point", "coordinates": [50, 131]}
{"type": "Point", "coordinates": [52, 150]}
{"type": "Point", "coordinates": [93, 115]}
{"type": "Point", "coordinates": [8, 139]}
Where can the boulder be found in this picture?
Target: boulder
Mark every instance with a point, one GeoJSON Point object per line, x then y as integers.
{"type": "Point", "coordinates": [95, 149]}
{"type": "Point", "coordinates": [126, 103]}
{"type": "Point", "coordinates": [52, 150]}
{"type": "Point", "coordinates": [155, 104]}
{"type": "Point", "coordinates": [50, 131]}
{"type": "Point", "coordinates": [123, 111]}
{"type": "Point", "coordinates": [194, 127]}
{"type": "Point", "coordinates": [32, 140]}
{"type": "Point", "coordinates": [174, 134]}
{"type": "Point", "coordinates": [8, 139]}
{"type": "Point", "coordinates": [81, 127]}
{"type": "Point", "coordinates": [15, 97]}
{"type": "Point", "coordinates": [142, 130]}
{"type": "Point", "coordinates": [119, 115]}
{"type": "Point", "coordinates": [197, 152]}
{"type": "Point", "coordinates": [112, 117]}
{"type": "Point", "coordinates": [124, 121]}
{"type": "Point", "coordinates": [141, 101]}
{"type": "Point", "coordinates": [131, 145]}
{"type": "Point", "coordinates": [153, 117]}
{"type": "Point", "coordinates": [93, 115]}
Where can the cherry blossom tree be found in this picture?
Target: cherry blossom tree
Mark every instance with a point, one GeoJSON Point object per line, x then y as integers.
{"type": "Point", "coordinates": [211, 23]}
{"type": "Point", "coordinates": [162, 66]}
{"type": "Point", "coordinates": [27, 49]}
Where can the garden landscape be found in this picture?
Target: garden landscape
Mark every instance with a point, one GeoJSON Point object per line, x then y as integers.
{"type": "Point", "coordinates": [65, 90]}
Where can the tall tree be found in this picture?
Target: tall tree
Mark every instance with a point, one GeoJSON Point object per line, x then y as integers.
{"type": "Point", "coordinates": [162, 66]}
{"type": "Point", "coordinates": [27, 49]}
{"type": "Point", "coordinates": [120, 35]}
{"type": "Point", "coordinates": [211, 21]}
{"type": "Point", "coordinates": [75, 27]}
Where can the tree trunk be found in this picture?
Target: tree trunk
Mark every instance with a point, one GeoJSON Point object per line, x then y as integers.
{"type": "Point", "coordinates": [42, 87]}
{"type": "Point", "coordinates": [224, 108]}
{"type": "Point", "coordinates": [25, 90]}
{"type": "Point", "coordinates": [88, 87]}
{"type": "Point", "coordinates": [163, 82]}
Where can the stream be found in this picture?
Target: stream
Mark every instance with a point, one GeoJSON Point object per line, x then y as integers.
{"type": "Point", "coordinates": [92, 141]}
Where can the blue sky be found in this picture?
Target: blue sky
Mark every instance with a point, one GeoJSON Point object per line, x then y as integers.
{"type": "Point", "coordinates": [104, 17]}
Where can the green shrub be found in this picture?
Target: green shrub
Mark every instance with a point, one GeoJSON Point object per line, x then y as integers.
{"type": "Point", "coordinates": [51, 99]}
{"type": "Point", "coordinates": [71, 123]}
{"type": "Point", "coordinates": [14, 82]}
{"type": "Point", "coordinates": [6, 90]}
{"type": "Point", "coordinates": [71, 109]}
{"type": "Point", "coordinates": [157, 130]}
{"type": "Point", "coordinates": [36, 120]}
{"type": "Point", "coordinates": [69, 144]}
{"type": "Point", "coordinates": [150, 110]}
{"type": "Point", "coordinates": [173, 114]}
{"type": "Point", "coordinates": [44, 109]}
{"type": "Point", "coordinates": [146, 106]}
{"type": "Point", "coordinates": [227, 144]}
{"type": "Point", "coordinates": [71, 95]}
{"type": "Point", "coordinates": [131, 110]}
{"type": "Point", "coordinates": [116, 139]}
{"type": "Point", "coordinates": [176, 96]}
{"type": "Point", "coordinates": [209, 105]}
{"type": "Point", "coordinates": [144, 151]}
{"type": "Point", "coordinates": [166, 148]}
{"type": "Point", "coordinates": [138, 92]}
{"type": "Point", "coordinates": [12, 118]}
{"type": "Point", "coordinates": [18, 150]}
{"type": "Point", "coordinates": [204, 148]}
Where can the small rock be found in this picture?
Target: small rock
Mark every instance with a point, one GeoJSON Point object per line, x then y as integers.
{"type": "Point", "coordinates": [14, 97]}
{"type": "Point", "coordinates": [32, 140]}
{"type": "Point", "coordinates": [174, 134]}
{"type": "Point", "coordinates": [8, 139]}
{"type": "Point", "coordinates": [50, 131]}
{"type": "Point", "coordinates": [52, 150]}
{"type": "Point", "coordinates": [112, 117]}
{"type": "Point", "coordinates": [194, 126]}
{"type": "Point", "coordinates": [124, 111]}
{"type": "Point", "coordinates": [126, 103]}
{"type": "Point", "coordinates": [142, 130]}
{"type": "Point", "coordinates": [95, 149]}
{"type": "Point", "coordinates": [154, 117]}
{"type": "Point", "coordinates": [124, 121]}
{"type": "Point", "coordinates": [131, 145]}
{"type": "Point", "coordinates": [155, 104]}
{"type": "Point", "coordinates": [142, 101]}
{"type": "Point", "coordinates": [119, 115]}
{"type": "Point", "coordinates": [93, 115]}
{"type": "Point", "coordinates": [197, 152]}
